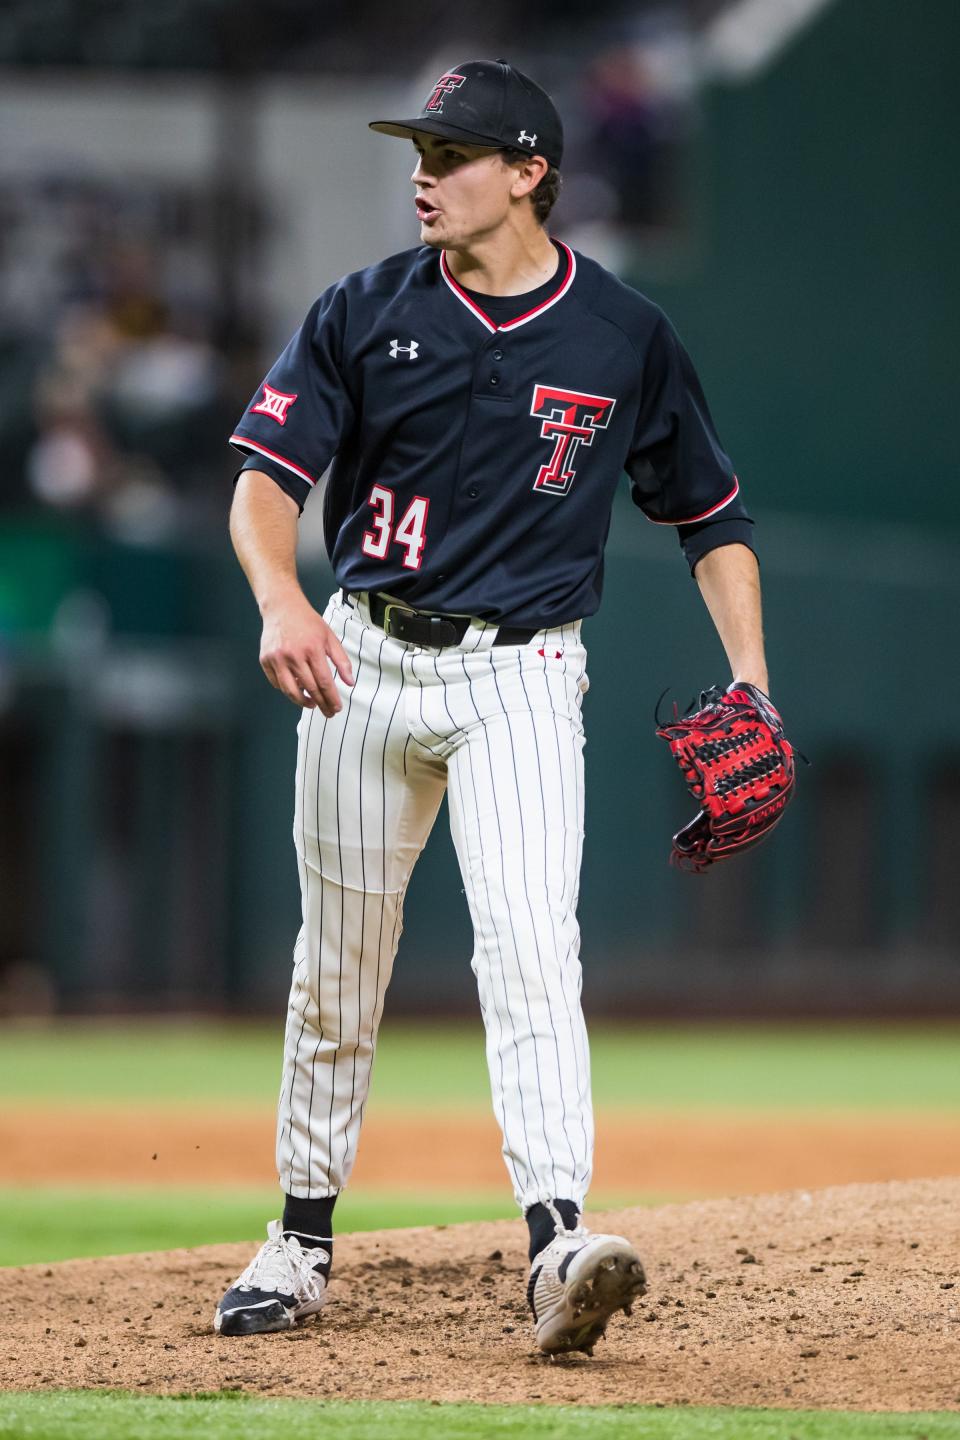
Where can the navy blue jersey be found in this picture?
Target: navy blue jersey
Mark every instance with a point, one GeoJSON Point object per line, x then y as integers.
{"type": "Point", "coordinates": [476, 458]}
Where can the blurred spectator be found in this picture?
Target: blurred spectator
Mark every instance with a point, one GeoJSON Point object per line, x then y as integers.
{"type": "Point", "coordinates": [631, 133]}
{"type": "Point", "coordinates": [113, 394]}
{"type": "Point", "coordinates": [632, 108]}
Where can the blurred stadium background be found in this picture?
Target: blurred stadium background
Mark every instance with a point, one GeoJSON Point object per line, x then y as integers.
{"type": "Point", "coordinates": [177, 182]}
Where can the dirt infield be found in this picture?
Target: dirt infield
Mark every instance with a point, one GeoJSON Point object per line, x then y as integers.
{"type": "Point", "coordinates": [846, 1297]}
{"type": "Point", "coordinates": [637, 1153]}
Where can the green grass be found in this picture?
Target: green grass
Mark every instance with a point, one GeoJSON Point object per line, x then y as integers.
{"type": "Point", "coordinates": [754, 1067]}
{"type": "Point", "coordinates": [64, 1223]}
{"type": "Point", "coordinates": [61, 1224]}
{"type": "Point", "coordinates": [71, 1415]}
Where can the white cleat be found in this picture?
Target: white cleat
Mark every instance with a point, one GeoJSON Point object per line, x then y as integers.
{"type": "Point", "coordinates": [576, 1283]}
{"type": "Point", "coordinates": [278, 1288]}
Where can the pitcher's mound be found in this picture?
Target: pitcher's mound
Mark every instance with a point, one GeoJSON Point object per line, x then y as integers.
{"type": "Point", "coordinates": [847, 1297]}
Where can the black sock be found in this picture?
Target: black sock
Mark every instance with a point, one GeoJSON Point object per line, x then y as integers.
{"type": "Point", "coordinates": [311, 1221]}
{"type": "Point", "coordinates": [542, 1225]}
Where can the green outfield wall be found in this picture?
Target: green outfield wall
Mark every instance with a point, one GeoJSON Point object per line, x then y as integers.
{"type": "Point", "coordinates": [819, 291]}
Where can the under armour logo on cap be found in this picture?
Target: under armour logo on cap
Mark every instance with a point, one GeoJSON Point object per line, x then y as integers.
{"type": "Point", "coordinates": [526, 139]}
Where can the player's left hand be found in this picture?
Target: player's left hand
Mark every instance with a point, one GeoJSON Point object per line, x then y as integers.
{"type": "Point", "coordinates": [739, 766]}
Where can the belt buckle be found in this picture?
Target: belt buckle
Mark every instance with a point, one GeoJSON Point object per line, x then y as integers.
{"type": "Point", "coordinates": [419, 627]}
{"type": "Point", "coordinates": [388, 610]}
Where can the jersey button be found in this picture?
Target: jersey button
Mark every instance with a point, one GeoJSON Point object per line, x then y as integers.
{"type": "Point", "coordinates": [494, 379]}
{"type": "Point", "coordinates": [498, 354]}
{"type": "Point", "coordinates": [473, 492]}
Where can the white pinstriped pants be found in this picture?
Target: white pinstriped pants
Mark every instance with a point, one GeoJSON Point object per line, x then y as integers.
{"type": "Point", "coordinates": [500, 728]}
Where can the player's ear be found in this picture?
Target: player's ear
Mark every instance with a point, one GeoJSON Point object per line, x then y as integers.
{"type": "Point", "coordinates": [528, 172]}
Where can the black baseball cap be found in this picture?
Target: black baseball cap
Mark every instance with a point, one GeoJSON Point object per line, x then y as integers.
{"type": "Point", "coordinates": [487, 102]}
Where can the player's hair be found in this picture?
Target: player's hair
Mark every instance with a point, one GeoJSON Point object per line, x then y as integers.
{"type": "Point", "coordinates": [544, 197]}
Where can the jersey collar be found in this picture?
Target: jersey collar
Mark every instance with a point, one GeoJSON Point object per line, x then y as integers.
{"type": "Point", "coordinates": [485, 319]}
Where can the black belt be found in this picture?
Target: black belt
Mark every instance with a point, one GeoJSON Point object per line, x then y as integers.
{"type": "Point", "coordinates": [416, 627]}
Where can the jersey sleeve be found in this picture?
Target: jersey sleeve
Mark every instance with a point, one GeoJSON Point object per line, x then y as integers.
{"type": "Point", "coordinates": [302, 412]}
{"type": "Point", "coordinates": [680, 474]}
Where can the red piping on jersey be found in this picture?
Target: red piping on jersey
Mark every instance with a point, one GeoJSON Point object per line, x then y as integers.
{"type": "Point", "coordinates": [485, 319]}
{"type": "Point", "coordinates": [704, 514]}
{"type": "Point", "coordinates": [241, 441]}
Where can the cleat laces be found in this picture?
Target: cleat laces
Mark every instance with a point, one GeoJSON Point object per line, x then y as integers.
{"type": "Point", "coordinates": [579, 1232]}
{"type": "Point", "coordinates": [281, 1266]}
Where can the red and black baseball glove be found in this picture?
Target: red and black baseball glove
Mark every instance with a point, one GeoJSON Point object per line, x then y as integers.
{"type": "Point", "coordinates": [739, 767]}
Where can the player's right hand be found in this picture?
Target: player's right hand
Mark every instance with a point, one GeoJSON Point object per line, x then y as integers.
{"type": "Point", "coordinates": [297, 650]}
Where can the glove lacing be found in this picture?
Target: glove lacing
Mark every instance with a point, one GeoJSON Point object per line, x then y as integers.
{"type": "Point", "coordinates": [281, 1266]}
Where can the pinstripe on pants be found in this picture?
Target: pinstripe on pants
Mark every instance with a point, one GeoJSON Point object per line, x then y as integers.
{"type": "Point", "coordinates": [500, 729]}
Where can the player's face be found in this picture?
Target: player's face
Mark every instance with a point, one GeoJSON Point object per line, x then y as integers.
{"type": "Point", "coordinates": [462, 191]}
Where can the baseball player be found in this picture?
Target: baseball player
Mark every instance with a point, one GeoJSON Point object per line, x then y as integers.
{"type": "Point", "coordinates": [479, 397]}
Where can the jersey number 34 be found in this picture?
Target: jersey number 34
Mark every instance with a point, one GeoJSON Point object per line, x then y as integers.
{"type": "Point", "coordinates": [409, 532]}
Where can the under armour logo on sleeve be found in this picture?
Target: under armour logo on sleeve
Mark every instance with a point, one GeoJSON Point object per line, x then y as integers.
{"type": "Point", "coordinates": [409, 350]}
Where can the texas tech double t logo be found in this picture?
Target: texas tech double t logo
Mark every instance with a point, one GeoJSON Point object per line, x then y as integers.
{"type": "Point", "coordinates": [443, 87]}
{"type": "Point", "coordinates": [570, 419]}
